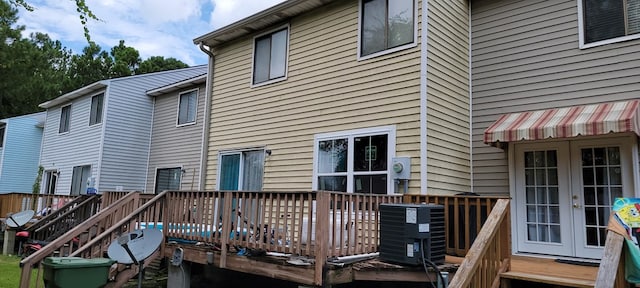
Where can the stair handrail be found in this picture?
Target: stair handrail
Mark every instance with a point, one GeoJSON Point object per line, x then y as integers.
{"type": "Point", "coordinates": [105, 238]}
{"type": "Point", "coordinates": [495, 234]}
{"type": "Point", "coordinates": [67, 238]}
{"type": "Point", "coordinates": [65, 216]}
{"type": "Point", "coordinates": [52, 215]}
{"type": "Point", "coordinates": [612, 266]}
{"type": "Point", "coordinates": [118, 225]}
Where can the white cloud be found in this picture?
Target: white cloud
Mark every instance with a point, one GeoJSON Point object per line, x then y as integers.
{"type": "Point", "coordinates": [229, 11]}
{"type": "Point", "coordinates": [154, 27]}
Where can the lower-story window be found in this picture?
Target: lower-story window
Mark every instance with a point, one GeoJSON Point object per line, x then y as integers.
{"type": "Point", "coordinates": [354, 161]}
{"type": "Point", "coordinates": [168, 179]}
{"type": "Point", "coordinates": [241, 170]}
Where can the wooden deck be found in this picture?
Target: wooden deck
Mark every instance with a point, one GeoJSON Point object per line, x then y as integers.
{"type": "Point", "coordinates": [548, 271]}
{"type": "Point", "coordinates": [278, 267]}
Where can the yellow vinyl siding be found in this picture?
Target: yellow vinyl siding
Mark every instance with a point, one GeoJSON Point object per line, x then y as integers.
{"type": "Point", "coordinates": [326, 90]}
{"type": "Point", "coordinates": [448, 147]}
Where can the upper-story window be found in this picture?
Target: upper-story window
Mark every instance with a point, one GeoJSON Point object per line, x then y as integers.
{"type": "Point", "coordinates": [386, 25]}
{"type": "Point", "coordinates": [188, 107]}
{"type": "Point", "coordinates": [612, 20]}
{"type": "Point", "coordinates": [2, 131]}
{"type": "Point", "coordinates": [65, 117]}
{"type": "Point", "coordinates": [270, 56]}
{"type": "Point", "coordinates": [96, 109]}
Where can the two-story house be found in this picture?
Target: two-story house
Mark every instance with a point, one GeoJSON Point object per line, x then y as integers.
{"type": "Point", "coordinates": [99, 136]}
{"type": "Point", "coordinates": [556, 89]}
{"type": "Point", "coordinates": [20, 142]}
{"type": "Point", "coordinates": [329, 95]}
{"type": "Point", "coordinates": [177, 135]}
{"type": "Point", "coordinates": [333, 95]}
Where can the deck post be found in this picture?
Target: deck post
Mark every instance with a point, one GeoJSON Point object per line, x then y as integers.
{"type": "Point", "coordinates": [609, 264]}
{"type": "Point", "coordinates": [226, 226]}
{"type": "Point", "coordinates": [322, 231]}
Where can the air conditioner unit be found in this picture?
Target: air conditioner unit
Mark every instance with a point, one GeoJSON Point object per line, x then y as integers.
{"type": "Point", "coordinates": [411, 232]}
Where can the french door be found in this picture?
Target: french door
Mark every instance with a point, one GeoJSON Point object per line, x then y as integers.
{"type": "Point", "coordinates": [564, 192]}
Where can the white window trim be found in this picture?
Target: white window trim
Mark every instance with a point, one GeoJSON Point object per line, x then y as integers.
{"type": "Point", "coordinates": [392, 50]}
{"type": "Point", "coordinates": [581, 36]}
{"type": "Point", "coordinates": [60, 119]}
{"type": "Point", "coordinates": [195, 118]}
{"type": "Point", "coordinates": [3, 135]}
{"type": "Point", "coordinates": [390, 131]}
{"type": "Point", "coordinates": [241, 169]}
{"type": "Point", "coordinates": [91, 106]}
{"type": "Point", "coordinates": [286, 64]}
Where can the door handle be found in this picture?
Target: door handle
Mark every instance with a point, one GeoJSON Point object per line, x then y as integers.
{"type": "Point", "coordinates": [576, 205]}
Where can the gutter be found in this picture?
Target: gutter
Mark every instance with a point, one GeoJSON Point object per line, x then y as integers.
{"type": "Point", "coordinates": [204, 149]}
{"type": "Point", "coordinates": [424, 57]}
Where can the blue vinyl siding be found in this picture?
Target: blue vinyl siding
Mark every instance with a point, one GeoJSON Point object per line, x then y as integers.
{"type": "Point", "coordinates": [20, 153]}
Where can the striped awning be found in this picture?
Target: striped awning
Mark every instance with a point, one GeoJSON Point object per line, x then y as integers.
{"type": "Point", "coordinates": [596, 119]}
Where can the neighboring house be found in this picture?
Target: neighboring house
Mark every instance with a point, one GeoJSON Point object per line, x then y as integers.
{"type": "Point", "coordinates": [177, 135]}
{"type": "Point", "coordinates": [99, 135]}
{"type": "Point", "coordinates": [557, 84]}
{"type": "Point", "coordinates": [325, 95]}
{"type": "Point", "coordinates": [20, 143]}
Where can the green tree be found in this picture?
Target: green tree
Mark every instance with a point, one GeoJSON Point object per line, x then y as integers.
{"type": "Point", "coordinates": [126, 60]}
{"type": "Point", "coordinates": [94, 64]}
{"type": "Point", "coordinates": [33, 69]}
{"type": "Point", "coordinates": [159, 63]}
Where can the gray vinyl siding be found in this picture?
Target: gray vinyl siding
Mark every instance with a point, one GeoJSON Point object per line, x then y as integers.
{"type": "Point", "coordinates": [526, 57]}
{"type": "Point", "coordinates": [448, 119]}
{"type": "Point", "coordinates": [176, 146]}
{"type": "Point", "coordinates": [78, 147]}
{"type": "Point", "coordinates": [128, 127]}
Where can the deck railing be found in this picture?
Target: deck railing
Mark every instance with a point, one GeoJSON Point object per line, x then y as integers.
{"type": "Point", "coordinates": [15, 202]}
{"type": "Point", "coordinates": [311, 224]}
{"type": "Point", "coordinates": [58, 222]}
{"type": "Point", "coordinates": [108, 197]}
{"type": "Point", "coordinates": [464, 217]}
{"type": "Point", "coordinates": [612, 266]}
{"type": "Point", "coordinates": [490, 254]}
{"type": "Point", "coordinates": [80, 235]}
{"type": "Point", "coordinates": [317, 225]}
{"type": "Point", "coordinates": [277, 221]}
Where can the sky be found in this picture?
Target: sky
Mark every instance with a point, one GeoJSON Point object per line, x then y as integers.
{"type": "Point", "coordinates": [154, 27]}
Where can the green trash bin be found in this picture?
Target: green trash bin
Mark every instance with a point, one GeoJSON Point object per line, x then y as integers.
{"type": "Point", "coordinates": [69, 272]}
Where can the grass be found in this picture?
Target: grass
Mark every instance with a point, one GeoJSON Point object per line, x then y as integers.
{"type": "Point", "coordinates": [10, 276]}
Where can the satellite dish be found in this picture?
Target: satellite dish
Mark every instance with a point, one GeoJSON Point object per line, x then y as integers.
{"type": "Point", "coordinates": [134, 247]}
{"type": "Point", "coordinates": [19, 219]}
{"type": "Point", "coordinates": [139, 243]}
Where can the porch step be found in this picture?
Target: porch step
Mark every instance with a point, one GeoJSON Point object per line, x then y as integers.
{"type": "Point", "coordinates": [545, 279]}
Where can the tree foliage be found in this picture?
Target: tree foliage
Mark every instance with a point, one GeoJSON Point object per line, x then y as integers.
{"type": "Point", "coordinates": [159, 63]}
{"type": "Point", "coordinates": [84, 13]}
{"type": "Point", "coordinates": [37, 69]}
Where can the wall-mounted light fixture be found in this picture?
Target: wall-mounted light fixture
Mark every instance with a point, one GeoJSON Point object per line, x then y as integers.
{"type": "Point", "coordinates": [267, 152]}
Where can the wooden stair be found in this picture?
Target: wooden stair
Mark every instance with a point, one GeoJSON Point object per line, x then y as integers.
{"type": "Point", "coordinates": [550, 272]}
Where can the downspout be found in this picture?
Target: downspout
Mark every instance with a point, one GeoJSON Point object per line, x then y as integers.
{"type": "Point", "coordinates": [204, 149]}
{"type": "Point", "coordinates": [146, 177]}
{"type": "Point", "coordinates": [423, 97]}
{"type": "Point", "coordinates": [471, 178]}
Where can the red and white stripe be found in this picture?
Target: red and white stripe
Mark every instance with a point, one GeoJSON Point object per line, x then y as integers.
{"type": "Point", "coordinates": [596, 119]}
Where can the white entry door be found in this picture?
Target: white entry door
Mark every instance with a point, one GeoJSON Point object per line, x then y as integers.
{"type": "Point", "coordinates": [541, 198]}
{"type": "Point", "coordinates": [602, 172]}
{"type": "Point", "coordinates": [564, 193]}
